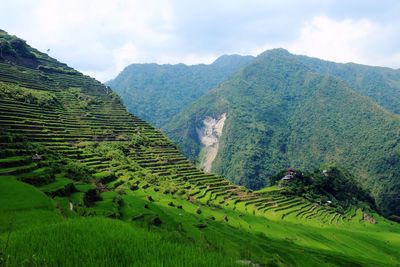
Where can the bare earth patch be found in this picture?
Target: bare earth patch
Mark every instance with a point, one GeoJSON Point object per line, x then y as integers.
{"type": "Point", "coordinates": [209, 136]}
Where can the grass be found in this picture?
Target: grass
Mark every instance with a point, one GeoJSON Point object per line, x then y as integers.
{"type": "Point", "coordinates": [269, 189]}
{"type": "Point", "coordinates": [17, 169]}
{"type": "Point", "coordinates": [355, 242]}
{"type": "Point", "coordinates": [58, 184]}
{"type": "Point", "coordinates": [179, 242]}
{"type": "Point", "coordinates": [102, 242]}
{"type": "Point", "coordinates": [42, 231]}
{"type": "Point", "coordinates": [22, 205]}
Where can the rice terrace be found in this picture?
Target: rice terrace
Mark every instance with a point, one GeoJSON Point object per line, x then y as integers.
{"type": "Point", "coordinates": [84, 181]}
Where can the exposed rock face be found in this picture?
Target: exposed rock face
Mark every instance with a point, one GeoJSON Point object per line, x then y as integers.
{"type": "Point", "coordinates": [209, 136]}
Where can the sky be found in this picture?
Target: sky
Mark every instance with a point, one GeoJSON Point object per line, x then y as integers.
{"type": "Point", "coordinates": [101, 37]}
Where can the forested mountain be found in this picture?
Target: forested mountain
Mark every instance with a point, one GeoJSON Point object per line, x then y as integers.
{"type": "Point", "coordinates": [379, 83]}
{"type": "Point", "coordinates": [286, 111]}
{"type": "Point", "coordinates": [156, 93]}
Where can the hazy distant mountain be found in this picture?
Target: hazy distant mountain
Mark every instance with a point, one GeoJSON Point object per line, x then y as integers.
{"type": "Point", "coordinates": [285, 111]}
{"type": "Point", "coordinates": [158, 92]}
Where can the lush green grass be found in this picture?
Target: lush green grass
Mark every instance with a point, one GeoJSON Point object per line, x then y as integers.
{"type": "Point", "coordinates": [102, 242]}
{"type": "Point", "coordinates": [179, 241]}
{"type": "Point", "coordinates": [22, 205]}
{"type": "Point", "coordinates": [269, 189]}
{"type": "Point", "coordinates": [13, 159]}
{"type": "Point", "coordinates": [59, 183]}
{"type": "Point", "coordinates": [307, 243]}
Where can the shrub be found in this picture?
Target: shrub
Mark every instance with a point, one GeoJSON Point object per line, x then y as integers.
{"type": "Point", "coordinates": [91, 196]}
{"type": "Point", "coordinates": [21, 48]}
{"type": "Point", "coordinates": [77, 171]}
{"type": "Point", "coordinates": [181, 192]}
{"type": "Point", "coordinates": [156, 221]}
{"type": "Point", "coordinates": [38, 178]}
{"type": "Point", "coordinates": [118, 183]}
{"type": "Point", "coordinates": [134, 187]}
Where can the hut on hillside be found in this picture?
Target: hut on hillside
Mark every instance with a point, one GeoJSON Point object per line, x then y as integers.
{"type": "Point", "coordinates": [289, 174]}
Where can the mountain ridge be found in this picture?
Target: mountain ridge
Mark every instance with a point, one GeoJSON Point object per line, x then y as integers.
{"type": "Point", "coordinates": [158, 92]}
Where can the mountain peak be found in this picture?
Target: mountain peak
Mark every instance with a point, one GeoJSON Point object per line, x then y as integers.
{"type": "Point", "coordinates": [275, 52]}
{"type": "Point", "coordinates": [231, 59]}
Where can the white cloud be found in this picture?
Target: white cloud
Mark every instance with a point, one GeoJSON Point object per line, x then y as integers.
{"type": "Point", "coordinates": [110, 33]}
{"type": "Point", "coordinates": [340, 41]}
{"type": "Point", "coordinates": [121, 57]}
{"type": "Point", "coordinates": [101, 37]}
{"type": "Point", "coordinates": [361, 41]}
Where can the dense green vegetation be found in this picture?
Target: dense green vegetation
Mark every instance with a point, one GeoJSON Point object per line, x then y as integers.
{"type": "Point", "coordinates": [14, 49]}
{"type": "Point", "coordinates": [381, 84]}
{"type": "Point", "coordinates": [281, 113]}
{"type": "Point", "coordinates": [331, 185]}
{"type": "Point", "coordinates": [84, 183]}
{"type": "Point", "coordinates": [27, 95]}
{"type": "Point", "coordinates": [156, 93]}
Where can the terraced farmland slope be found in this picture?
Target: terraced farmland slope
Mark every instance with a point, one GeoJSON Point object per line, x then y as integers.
{"type": "Point", "coordinates": [84, 183]}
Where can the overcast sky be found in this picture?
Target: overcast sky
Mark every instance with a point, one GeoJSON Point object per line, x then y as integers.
{"type": "Point", "coordinates": [101, 37]}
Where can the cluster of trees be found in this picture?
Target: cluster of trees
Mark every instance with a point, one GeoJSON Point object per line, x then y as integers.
{"type": "Point", "coordinates": [330, 185]}
{"type": "Point", "coordinates": [13, 47]}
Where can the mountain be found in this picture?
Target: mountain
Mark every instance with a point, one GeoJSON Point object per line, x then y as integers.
{"type": "Point", "coordinates": [379, 83]}
{"type": "Point", "coordinates": [284, 110]}
{"type": "Point", "coordinates": [84, 183]}
{"type": "Point", "coordinates": [156, 93]}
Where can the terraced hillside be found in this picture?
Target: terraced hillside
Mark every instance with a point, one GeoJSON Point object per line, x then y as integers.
{"type": "Point", "coordinates": [63, 134]}
{"type": "Point", "coordinates": [72, 156]}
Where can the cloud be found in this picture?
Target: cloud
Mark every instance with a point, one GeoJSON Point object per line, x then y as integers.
{"type": "Point", "coordinates": [340, 41]}
{"type": "Point", "coordinates": [95, 36]}
{"type": "Point", "coordinates": [101, 37]}
{"type": "Point", "coordinates": [361, 41]}
{"type": "Point", "coordinates": [121, 57]}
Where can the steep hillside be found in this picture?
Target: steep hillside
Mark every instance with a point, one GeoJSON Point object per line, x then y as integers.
{"type": "Point", "coordinates": [84, 183]}
{"type": "Point", "coordinates": [381, 84]}
{"type": "Point", "coordinates": [281, 113]}
{"type": "Point", "coordinates": [156, 93]}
